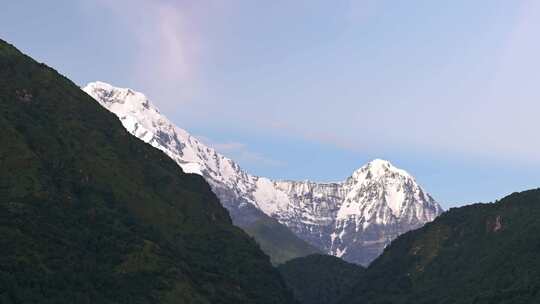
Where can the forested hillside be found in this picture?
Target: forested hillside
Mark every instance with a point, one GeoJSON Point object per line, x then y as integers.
{"type": "Point", "coordinates": [320, 279]}
{"type": "Point", "coordinates": [482, 253]}
{"type": "Point", "coordinates": [91, 214]}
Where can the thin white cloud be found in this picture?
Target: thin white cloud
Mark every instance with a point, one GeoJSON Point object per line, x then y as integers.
{"type": "Point", "coordinates": [229, 146]}
{"type": "Point", "coordinates": [166, 52]}
{"type": "Point", "coordinates": [240, 153]}
{"type": "Point", "coordinates": [167, 47]}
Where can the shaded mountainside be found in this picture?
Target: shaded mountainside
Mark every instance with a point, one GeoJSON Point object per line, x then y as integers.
{"type": "Point", "coordinates": [91, 214]}
{"type": "Point", "coordinates": [278, 241]}
{"type": "Point", "coordinates": [353, 219]}
{"type": "Point", "coordinates": [482, 253]}
{"type": "Point", "coordinates": [320, 279]}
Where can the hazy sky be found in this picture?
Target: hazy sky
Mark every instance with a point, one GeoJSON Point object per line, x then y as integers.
{"type": "Point", "coordinates": [447, 90]}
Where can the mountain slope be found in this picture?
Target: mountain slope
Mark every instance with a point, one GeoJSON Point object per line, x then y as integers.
{"type": "Point", "coordinates": [354, 219]}
{"type": "Point", "coordinates": [91, 214]}
{"type": "Point", "coordinates": [277, 240]}
{"type": "Point", "coordinates": [483, 253]}
{"type": "Point", "coordinates": [320, 279]}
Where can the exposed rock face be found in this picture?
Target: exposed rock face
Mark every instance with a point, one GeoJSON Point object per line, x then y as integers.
{"type": "Point", "coordinates": [354, 219]}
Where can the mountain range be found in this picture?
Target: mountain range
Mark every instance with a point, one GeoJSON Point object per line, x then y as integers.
{"type": "Point", "coordinates": [354, 219]}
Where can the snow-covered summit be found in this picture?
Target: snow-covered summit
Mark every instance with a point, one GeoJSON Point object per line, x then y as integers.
{"type": "Point", "coordinates": [380, 167]}
{"type": "Point", "coordinates": [141, 118]}
{"type": "Point", "coordinates": [381, 174]}
{"type": "Point", "coordinates": [354, 219]}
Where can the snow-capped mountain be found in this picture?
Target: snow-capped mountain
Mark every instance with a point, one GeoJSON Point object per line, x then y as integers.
{"type": "Point", "coordinates": [357, 218]}
{"type": "Point", "coordinates": [354, 219]}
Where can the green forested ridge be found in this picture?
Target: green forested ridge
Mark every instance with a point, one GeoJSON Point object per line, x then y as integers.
{"type": "Point", "coordinates": [482, 253]}
{"type": "Point", "coordinates": [90, 214]}
{"type": "Point", "coordinates": [320, 279]}
{"type": "Point", "coordinates": [278, 241]}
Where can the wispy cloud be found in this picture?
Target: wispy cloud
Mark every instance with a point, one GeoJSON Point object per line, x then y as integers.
{"type": "Point", "coordinates": [241, 153]}
{"type": "Point", "coordinates": [229, 146]}
{"type": "Point", "coordinates": [167, 45]}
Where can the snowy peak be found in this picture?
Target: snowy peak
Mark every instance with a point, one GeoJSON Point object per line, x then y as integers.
{"type": "Point", "coordinates": [130, 106]}
{"type": "Point", "coordinates": [379, 165]}
{"type": "Point", "coordinates": [377, 169]}
{"type": "Point", "coordinates": [142, 119]}
{"type": "Point", "coordinates": [108, 94]}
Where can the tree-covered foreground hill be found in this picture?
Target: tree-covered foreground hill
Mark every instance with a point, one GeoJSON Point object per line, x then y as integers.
{"type": "Point", "coordinates": [90, 214]}
{"type": "Point", "coordinates": [320, 279]}
{"type": "Point", "coordinates": [482, 253]}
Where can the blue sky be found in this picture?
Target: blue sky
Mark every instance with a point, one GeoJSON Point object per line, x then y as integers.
{"type": "Point", "coordinates": [314, 89]}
